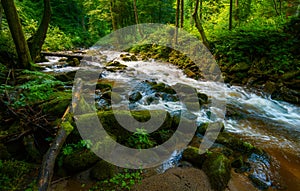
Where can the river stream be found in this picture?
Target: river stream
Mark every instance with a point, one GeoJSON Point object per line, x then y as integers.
{"type": "Point", "coordinates": [266, 123]}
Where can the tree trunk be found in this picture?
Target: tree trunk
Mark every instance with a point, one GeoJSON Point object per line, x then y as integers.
{"type": "Point", "coordinates": [275, 7]}
{"type": "Point", "coordinates": [199, 25]}
{"type": "Point", "coordinates": [236, 16]}
{"type": "Point", "coordinates": [182, 13]}
{"type": "Point", "coordinates": [36, 42]}
{"type": "Point", "coordinates": [177, 20]}
{"type": "Point", "coordinates": [201, 13]}
{"type": "Point", "coordinates": [230, 14]}
{"type": "Point", "coordinates": [15, 27]}
{"type": "Point", "coordinates": [137, 18]}
{"type": "Point", "coordinates": [1, 15]}
{"type": "Point", "coordinates": [112, 14]}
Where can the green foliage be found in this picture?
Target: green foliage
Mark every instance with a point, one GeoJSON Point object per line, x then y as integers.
{"type": "Point", "coordinates": [37, 87]}
{"type": "Point", "coordinates": [70, 148]}
{"type": "Point", "coordinates": [57, 40]}
{"type": "Point", "coordinates": [140, 139]}
{"type": "Point", "coordinates": [14, 175]}
{"type": "Point", "coordinates": [121, 181]}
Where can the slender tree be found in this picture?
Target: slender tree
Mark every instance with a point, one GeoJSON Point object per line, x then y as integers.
{"type": "Point", "coordinates": [1, 15]}
{"type": "Point", "coordinates": [113, 17]}
{"type": "Point", "coordinates": [15, 27]}
{"type": "Point", "coordinates": [230, 14]}
{"type": "Point", "coordinates": [36, 41]}
{"type": "Point", "coordinates": [181, 13]}
{"type": "Point", "coordinates": [137, 17]}
{"type": "Point", "coordinates": [199, 25]}
{"type": "Point", "coordinates": [177, 20]}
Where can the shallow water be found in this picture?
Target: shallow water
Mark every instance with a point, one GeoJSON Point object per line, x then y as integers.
{"type": "Point", "coordinates": [266, 123]}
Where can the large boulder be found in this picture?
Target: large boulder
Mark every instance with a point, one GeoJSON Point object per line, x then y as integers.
{"type": "Point", "coordinates": [217, 168]}
{"type": "Point", "coordinates": [176, 179]}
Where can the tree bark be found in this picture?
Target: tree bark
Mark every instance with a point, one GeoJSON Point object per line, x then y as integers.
{"type": "Point", "coordinates": [1, 15]}
{"type": "Point", "coordinates": [36, 42]}
{"type": "Point", "coordinates": [181, 13]}
{"type": "Point", "coordinates": [236, 16]}
{"type": "Point", "coordinates": [112, 14]}
{"type": "Point", "coordinates": [177, 20]}
{"type": "Point", "coordinates": [199, 25]}
{"type": "Point", "coordinates": [137, 18]}
{"type": "Point", "coordinates": [15, 27]}
{"type": "Point", "coordinates": [230, 14]}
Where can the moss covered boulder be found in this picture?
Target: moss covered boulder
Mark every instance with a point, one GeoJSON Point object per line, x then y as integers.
{"type": "Point", "coordinates": [57, 104]}
{"type": "Point", "coordinates": [103, 170]}
{"type": "Point", "coordinates": [217, 168]}
{"type": "Point", "coordinates": [191, 154]}
{"type": "Point", "coordinates": [80, 160]}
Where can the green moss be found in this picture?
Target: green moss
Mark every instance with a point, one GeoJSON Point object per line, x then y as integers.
{"type": "Point", "coordinates": [58, 103]}
{"type": "Point", "coordinates": [67, 127]}
{"type": "Point", "coordinates": [192, 155]}
{"type": "Point", "coordinates": [15, 175]}
{"type": "Point", "coordinates": [80, 160]}
{"type": "Point", "coordinates": [217, 168]}
{"type": "Point", "coordinates": [103, 170]}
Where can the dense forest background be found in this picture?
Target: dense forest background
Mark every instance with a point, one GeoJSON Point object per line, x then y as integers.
{"type": "Point", "coordinates": [237, 30]}
{"type": "Point", "coordinates": [255, 42]}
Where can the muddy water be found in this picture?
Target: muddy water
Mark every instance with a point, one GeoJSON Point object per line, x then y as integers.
{"type": "Point", "coordinates": [269, 124]}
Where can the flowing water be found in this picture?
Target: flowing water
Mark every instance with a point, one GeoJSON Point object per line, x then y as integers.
{"type": "Point", "coordinates": [266, 123]}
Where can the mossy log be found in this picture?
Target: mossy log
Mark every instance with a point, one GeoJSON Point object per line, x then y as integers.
{"type": "Point", "coordinates": [46, 170]}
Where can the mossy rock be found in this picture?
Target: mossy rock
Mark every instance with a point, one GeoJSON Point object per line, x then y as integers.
{"type": "Point", "coordinates": [239, 67]}
{"type": "Point", "coordinates": [109, 95]}
{"type": "Point", "coordinates": [58, 103]}
{"type": "Point", "coordinates": [212, 127]}
{"type": "Point", "coordinates": [190, 73]}
{"type": "Point", "coordinates": [80, 160]}
{"type": "Point", "coordinates": [217, 168]}
{"type": "Point", "coordinates": [65, 76]}
{"type": "Point", "coordinates": [258, 182]}
{"type": "Point", "coordinates": [134, 97]}
{"type": "Point", "coordinates": [103, 171]}
{"type": "Point", "coordinates": [238, 162]}
{"type": "Point", "coordinates": [191, 154]}
{"type": "Point", "coordinates": [161, 87]}
{"type": "Point", "coordinates": [237, 144]}
{"type": "Point", "coordinates": [114, 129]}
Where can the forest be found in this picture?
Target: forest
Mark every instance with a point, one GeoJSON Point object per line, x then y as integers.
{"type": "Point", "coordinates": [223, 73]}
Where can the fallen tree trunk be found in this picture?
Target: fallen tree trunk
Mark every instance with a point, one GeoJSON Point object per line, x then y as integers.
{"type": "Point", "coordinates": [46, 170]}
{"type": "Point", "coordinates": [63, 54]}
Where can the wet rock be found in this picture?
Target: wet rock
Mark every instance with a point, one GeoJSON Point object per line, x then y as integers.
{"type": "Point", "coordinates": [135, 96]}
{"type": "Point", "coordinates": [114, 66]}
{"type": "Point", "coordinates": [192, 106]}
{"type": "Point", "coordinates": [190, 73]}
{"type": "Point", "coordinates": [103, 171]}
{"type": "Point", "coordinates": [238, 162]}
{"type": "Point", "coordinates": [217, 168]}
{"type": "Point", "coordinates": [112, 96]}
{"type": "Point", "coordinates": [258, 182]}
{"type": "Point", "coordinates": [80, 160]}
{"type": "Point", "coordinates": [191, 154]}
{"type": "Point", "coordinates": [133, 58]}
{"type": "Point", "coordinates": [161, 87]}
{"type": "Point", "coordinates": [286, 94]}
{"type": "Point", "coordinates": [203, 98]}
{"type": "Point", "coordinates": [212, 127]}
{"type": "Point", "coordinates": [235, 143]}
